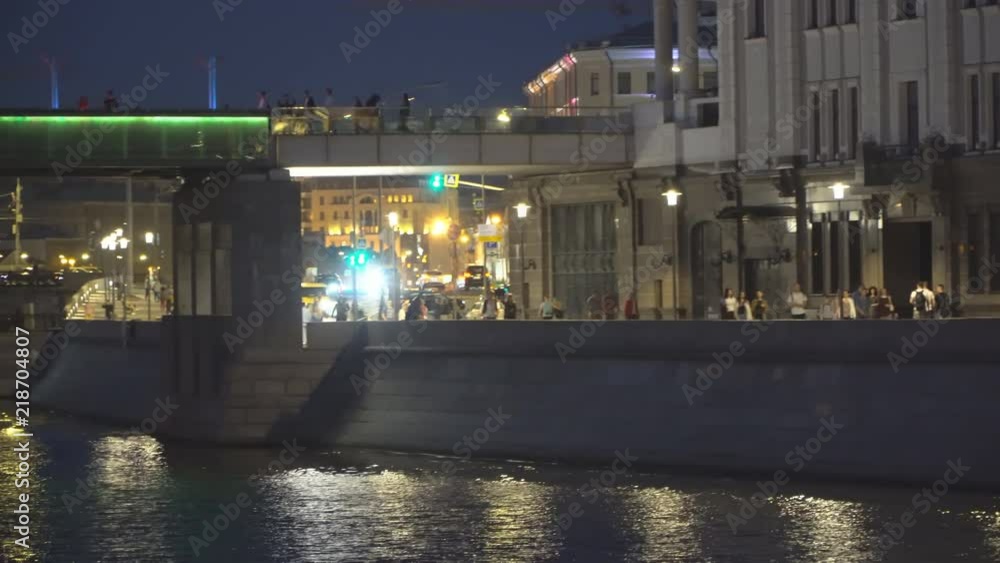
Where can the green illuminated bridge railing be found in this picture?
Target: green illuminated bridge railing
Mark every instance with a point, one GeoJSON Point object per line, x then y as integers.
{"type": "Point", "coordinates": [71, 142]}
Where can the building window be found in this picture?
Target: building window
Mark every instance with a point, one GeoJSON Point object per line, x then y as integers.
{"type": "Point", "coordinates": [336, 215]}
{"type": "Point", "coordinates": [994, 248]}
{"type": "Point", "coordinates": [835, 257]}
{"type": "Point", "coordinates": [406, 213]}
{"type": "Point", "coordinates": [911, 107]}
{"type": "Point", "coordinates": [321, 201]}
{"type": "Point", "coordinates": [759, 16]}
{"type": "Point", "coordinates": [852, 11]}
{"type": "Point", "coordinates": [974, 110]}
{"type": "Point", "coordinates": [996, 110]}
{"type": "Point", "coordinates": [595, 84]}
{"type": "Point", "coordinates": [650, 82]}
{"type": "Point", "coordinates": [831, 16]}
{"type": "Point", "coordinates": [816, 139]}
{"type": "Point", "coordinates": [818, 272]}
{"type": "Point", "coordinates": [322, 216]}
{"type": "Point", "coordinates": [975, 241]}
{"type": "Point", "coordinates": [854, 254]}
{"type": "Point", "coordinates": [813, 14]}
{"type": "Point", "coordinates": [649, 221]}
{"type": "Point", "coordinates": [854, 139]}
{"type": "Point", "coordinates": [835, 124]}
{"type": "Point", "coordinates": [624, 82]}
{"type": "Point", "coordinates": [710, 80]}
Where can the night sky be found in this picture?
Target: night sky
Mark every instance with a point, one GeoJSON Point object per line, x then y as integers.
{"type": "Point", "coordinates": [293, 45]}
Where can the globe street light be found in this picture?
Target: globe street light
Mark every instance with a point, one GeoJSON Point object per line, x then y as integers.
{"type": "Point", "coordinates": [838, 190]}
{"type": "Point", "coordinates": [673, 198]}
{"type": "Point", "coordinates": [150, 237]}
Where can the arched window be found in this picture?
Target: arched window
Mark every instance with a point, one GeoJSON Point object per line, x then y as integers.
{"type": "Point", "coordinates": [369, 220]}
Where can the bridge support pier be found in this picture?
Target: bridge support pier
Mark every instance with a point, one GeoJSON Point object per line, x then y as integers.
{"type": "Point", "coordinates": [237, 276]}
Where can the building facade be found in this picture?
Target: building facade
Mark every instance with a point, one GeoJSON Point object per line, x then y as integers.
{"type": "Point", "coordinates": [858, 143]}
{"type": "Point", "coordinates": [614, 73]}
{"type": "Point", "coordinates": [332, 211]}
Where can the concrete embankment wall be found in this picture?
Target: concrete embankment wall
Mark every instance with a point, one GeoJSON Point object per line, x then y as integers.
{"type": "Point", "coordinates": [94, 373]}
{"type": "Point", "coordinates": [636, 386]}
{"type": "Point", "coordinates": [623, 385]}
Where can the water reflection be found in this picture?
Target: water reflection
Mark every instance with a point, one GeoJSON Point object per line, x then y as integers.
{"type": "Point", "coordinates": [819, 529]}
{"type": "Point", "coordinates": [989, 522]}
{"type": "Point", "coordinates": [148, 499]}
{"type": "Point", "coordinates": [518, 521]}
{"type": "Point", "coordinates": [667, 523]}
{"type": "Point", "coordinates": [130, 496]}
{"type": "Point", "coordinates": [34, 487]}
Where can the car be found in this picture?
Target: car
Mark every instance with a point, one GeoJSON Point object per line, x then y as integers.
{"type": "Point", "coordinates": [433, 277]}
{"type": "Point", "coordinates": [476, 276]}
{"type": "Point", "coordinates": [433, 287]}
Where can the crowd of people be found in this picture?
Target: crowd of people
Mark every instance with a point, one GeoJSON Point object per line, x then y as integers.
{"type": "Point", "coordinates": [365, 115]}
{"type": "Point", "coordinates": [863, 303]}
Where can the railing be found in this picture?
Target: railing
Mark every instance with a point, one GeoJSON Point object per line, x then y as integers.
{"type": "Point", "coordinates": [397, 120]}
{"type": "Point", "coordinates": [82, 296]}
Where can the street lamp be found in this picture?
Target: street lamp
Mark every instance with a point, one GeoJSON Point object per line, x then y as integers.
{"type": "Point", "coordinates": [838, 190]}
{"type": "Point", "coordinates": [85, 256]}
{"type": "Point", "coordinates": [393, 218]}
{"type": "Point", "coordinates": [673, 198]}
{"type": "Point", "coordinates": [522, 214]}
{"type": "Point", "coordinates": [150, 237]}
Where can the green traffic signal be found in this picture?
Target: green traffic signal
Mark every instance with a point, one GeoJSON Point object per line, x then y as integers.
{"type": "Point", "coordinates": [437, 182]}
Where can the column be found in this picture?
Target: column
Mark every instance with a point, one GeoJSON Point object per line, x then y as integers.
{"type": "Point", "coordinates": [803, 248]}
{"type": "Point", "coordinates": [237, 276]}
{"type": "Point", "coordinates": [663, 40]}
{"type": "Point", "coordinates": [844, 246]}
{"type": "Point", "coordinates": [688, 45]}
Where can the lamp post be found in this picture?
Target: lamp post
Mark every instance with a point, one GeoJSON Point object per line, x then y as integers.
{"type": "Point", "coordinates": [673, 197]}
{"type": "Point", "coordinates": [394, 284]}
{"type": "Point", "coordinates": [522, 216]}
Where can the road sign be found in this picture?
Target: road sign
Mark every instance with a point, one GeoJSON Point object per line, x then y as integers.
{"type": "Point", "coordinates": [489, 232]}
{"type": "Point", "coordinates": [492, 245]}
{"type": "Point", "coordinates": [362, 243]}
{"type": "Point", "coordinates": [478, 204]}
{"type": "Point", "coordinates": [451, 180]}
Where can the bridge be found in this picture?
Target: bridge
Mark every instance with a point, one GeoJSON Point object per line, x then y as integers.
{"type": "Point", "coordinates": [316, 141]}
{"type": "Point", "coordinates": [65, 143]}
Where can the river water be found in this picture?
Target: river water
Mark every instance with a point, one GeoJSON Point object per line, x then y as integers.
{"type": "Point", "coordinates": [103, 494]}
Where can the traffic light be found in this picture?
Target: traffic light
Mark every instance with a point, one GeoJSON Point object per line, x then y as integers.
{"type": "Point", "coordinates": [358, 258]}
{"type": "Point", "coordinates": [437, 182]}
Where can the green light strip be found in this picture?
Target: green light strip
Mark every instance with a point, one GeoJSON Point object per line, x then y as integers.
{"type": "Point", "coordinates": [248, 120]}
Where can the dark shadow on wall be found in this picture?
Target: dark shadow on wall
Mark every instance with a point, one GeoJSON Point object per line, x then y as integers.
{"type": "Point", "coordinates": [332, 401]}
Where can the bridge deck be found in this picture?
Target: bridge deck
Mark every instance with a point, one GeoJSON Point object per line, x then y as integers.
{"type": "Point", "coordinates": [66, 143]}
